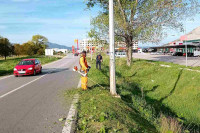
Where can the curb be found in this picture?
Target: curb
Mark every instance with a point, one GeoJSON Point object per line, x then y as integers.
{"type": "Point", "coordinates": [70, 124]}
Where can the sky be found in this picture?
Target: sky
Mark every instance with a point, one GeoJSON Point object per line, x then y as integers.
{"type": "Point", "coordinates": [61, 21]}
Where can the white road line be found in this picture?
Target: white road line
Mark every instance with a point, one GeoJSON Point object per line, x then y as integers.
{"type": "Point", "coordinates": [71, 116]}
{"type": "Point", "coordinates": [79, 84]}
{"type": "Point", "coordinates": [21, 86]}
{"type": "Point", "coordinates": [72, 112]}
{"type": "Point", "coordinates": [5, 77]}
{"type": "Point", "coordinates": [2, 96]}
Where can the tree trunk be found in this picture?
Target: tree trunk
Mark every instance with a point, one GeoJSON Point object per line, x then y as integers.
{"type": "Point", "coordinates": [129, 45]}
{"type": "Point", "coordinates": [129, 55]}
{"type": "Point", "coordinates": [5, 57]}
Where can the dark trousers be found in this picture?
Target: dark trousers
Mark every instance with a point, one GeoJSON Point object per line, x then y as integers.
{"type": "Point", "coordinates": [98, 63]}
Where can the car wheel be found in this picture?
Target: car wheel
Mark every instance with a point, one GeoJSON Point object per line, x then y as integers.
{"type": "Point", "coordinates": [34, 73]}
{"type": "Point", "coordinates": [16, 75]}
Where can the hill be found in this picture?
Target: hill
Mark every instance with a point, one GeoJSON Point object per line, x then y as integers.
{"type": "Point", "coordinates": [54, 45]}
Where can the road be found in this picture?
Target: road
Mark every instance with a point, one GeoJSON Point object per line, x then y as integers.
{"type": "Point", "coordinates": [181, 60]}
{"type": "Point", "coordinates": [34, 104]}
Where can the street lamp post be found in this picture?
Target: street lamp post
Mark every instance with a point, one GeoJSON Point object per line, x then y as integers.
{"type": "Point", "coordinates": [112, 49]}
{"type": "Point", "coordinates": [186, 49]}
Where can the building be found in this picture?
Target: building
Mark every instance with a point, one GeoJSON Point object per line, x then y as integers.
{"type": "Point", "coordinates": [87, 44]}
{"type": "Point", "coordinates": [122, 46]}
{"type": "Point", "coordinates": [192, 42]}
{"type": "Point", "coordinates": [50, 52]}
{"type": "Point", "coordinates": [64, 51]}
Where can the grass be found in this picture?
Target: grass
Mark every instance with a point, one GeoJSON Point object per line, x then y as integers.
{"type": "Point", "coordinates": [7, 66]}
{"type": "Point", "coordinates": [153, 99]}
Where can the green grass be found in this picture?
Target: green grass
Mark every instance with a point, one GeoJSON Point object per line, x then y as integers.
{"type": "Point", "coordinates": [7, 66]}
{"type": "Point", "coordinates": [148, 93]}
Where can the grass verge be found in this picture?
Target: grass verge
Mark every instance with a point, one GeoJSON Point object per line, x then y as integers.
{"type": "Point", "coordinates": [7, 66]}
{"type": "Point", "coordinates": [153, 99]}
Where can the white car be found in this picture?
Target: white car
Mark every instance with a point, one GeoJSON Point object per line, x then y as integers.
{"type": "Point", "coordinates": [120, 54]}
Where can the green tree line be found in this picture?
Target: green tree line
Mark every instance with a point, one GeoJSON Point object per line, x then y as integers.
{"type": "Point", "coordinates": [36, 46]}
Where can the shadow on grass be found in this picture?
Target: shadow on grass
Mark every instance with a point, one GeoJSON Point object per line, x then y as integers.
{"type": "Point", "coordinates": [135, 115]}
{"type": "Point", "coordinates": [135, 91]}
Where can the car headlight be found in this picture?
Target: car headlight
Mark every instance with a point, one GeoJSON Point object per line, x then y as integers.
{"type": "Point", "coordinates": [15, 69]}
{"type": "Point", "coordinates": [30, 68]}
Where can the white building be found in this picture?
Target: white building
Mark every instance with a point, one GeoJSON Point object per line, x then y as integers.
{"type": "Point", "coordinates": [135, 45]}
{"type": "Point", "coordinates": [50, 52]}
{"type": "Point", "coordinates": [85, 44]}
{"type": "Point", "coordinates": [123, 44]}
{"type": "Point", "coordinates": [65, 51]}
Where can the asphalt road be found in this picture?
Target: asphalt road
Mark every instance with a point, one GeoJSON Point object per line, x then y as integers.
{"type": "Point", "coordinates": [181, 60]}
{"type": "Point", "coordinates": [34, 104]}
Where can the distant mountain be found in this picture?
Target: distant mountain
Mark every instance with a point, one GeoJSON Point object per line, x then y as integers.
{"type": "Point", "coordinates": [54, 45]}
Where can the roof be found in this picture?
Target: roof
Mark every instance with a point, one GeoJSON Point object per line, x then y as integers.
{"type": "Point", "coordinates": [192, 36]}
{"type": "Point", "coordinates": [177, 46]}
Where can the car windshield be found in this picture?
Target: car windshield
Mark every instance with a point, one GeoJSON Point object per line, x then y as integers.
{"type": "Point", "coordinates": [26, 62]}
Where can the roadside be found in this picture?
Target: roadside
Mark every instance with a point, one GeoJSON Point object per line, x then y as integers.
{"type": "Point", "coordinates": [192, 61]}
{"type": "Point", "coordinates": [154, 99]}
{"type": "Point", "coordinates": [6, 66]}
{"type": "Point", "coordinates": [35, 104]}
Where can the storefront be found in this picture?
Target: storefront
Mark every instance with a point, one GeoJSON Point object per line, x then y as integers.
{"type": "Point", "coordinates": [192, 45]}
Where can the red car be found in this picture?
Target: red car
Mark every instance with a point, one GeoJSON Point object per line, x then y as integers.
{"type": "Point", "coordinates": [28, 67]}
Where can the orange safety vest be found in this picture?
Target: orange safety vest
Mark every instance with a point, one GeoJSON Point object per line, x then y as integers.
{"type": "Point", "coordinates": [83, 64]}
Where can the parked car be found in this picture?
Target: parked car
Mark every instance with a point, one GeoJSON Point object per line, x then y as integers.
{"type": "Point", "coordinates": [189, 54]}
{"type": "Point", "coordinates": [177, 54]}
{"type": "Point", "coordinates": [76, 54]}
{"type": "Point", "coordinates": [28, 67]}
{"type": "Point", "coordinates": [120, 54]}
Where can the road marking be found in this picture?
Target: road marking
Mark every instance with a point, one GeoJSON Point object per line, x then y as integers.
{"type": "Point", "coordinates": [21, 86]}
{"type": "Point", "coordinates": [2, 96]}
{"type": "Point", "coordinates": [6, 77]}
{"type": "Point", "coordinates": [72, 112]}
{"type": "Point", "coordinates": [71, 116]}
{"type": "Point", "coordinates": [79, 84]}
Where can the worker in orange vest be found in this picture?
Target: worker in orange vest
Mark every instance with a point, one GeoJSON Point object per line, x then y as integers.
{"type": "Point", "coordinates": [85, 68]}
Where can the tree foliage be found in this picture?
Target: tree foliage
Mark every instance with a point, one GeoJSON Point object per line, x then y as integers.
{"type": "Point", "coordinates": [142, 20]}
{"type": "Point", "coordinates": [34, 47]}
{"type": "Point", "coordinates": [5, 47]}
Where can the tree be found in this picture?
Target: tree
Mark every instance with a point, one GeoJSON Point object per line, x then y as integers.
{"type": "Point", "coordinates": [40, 44]}
{"type": "Point", "coordinates": [39, 40]}
{"type": "Point", "coordinates": [142, 20]}
{"type": "Point", "coordinates": [17, 49]}
{"type": "Point", "coordinates": [28, 48]}
{"type": "Point", "coordinates": [5, 47]}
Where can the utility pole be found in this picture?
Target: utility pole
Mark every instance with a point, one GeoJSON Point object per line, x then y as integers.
{"type": "Point", "coordinates": [186, 48]}
{"type": "Point", "coordinates": [91, 51]}
{"type": "Point", "coordinates": [112, 49]}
